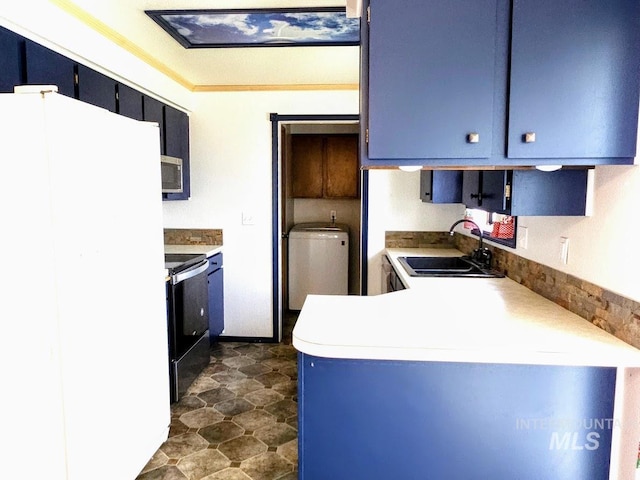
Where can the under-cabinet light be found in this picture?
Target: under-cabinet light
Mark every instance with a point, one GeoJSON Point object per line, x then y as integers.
{"type": "Point", "coordinates": [548, 168]}
{"type": "Point", "coordinates": [410, 168]}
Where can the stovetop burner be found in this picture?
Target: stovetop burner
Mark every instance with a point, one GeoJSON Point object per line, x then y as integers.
{"type": "Point", "coordinates": [178, 262]}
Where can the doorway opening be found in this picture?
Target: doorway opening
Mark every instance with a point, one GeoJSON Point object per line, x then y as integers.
{"type": "Point", "coordinates": [290, 208]}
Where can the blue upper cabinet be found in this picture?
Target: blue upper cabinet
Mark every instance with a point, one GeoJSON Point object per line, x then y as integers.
{"type": "Point", "coordinates": [130, 102]}
{"type": "Point", "coordinates": [575, 78]}
{"type": "Point", "coordinates": [96, 88]}
{"type": "Point", "coordinates": [500, 82]}
{"type": "Point", "coordinates": [11, 45]}
{"type": "Point", "coordinates": [431, 78]}
{"type": "Point", "coordinates": [46, 67]}
{"type": "Point", "coordinates": [176, 134]}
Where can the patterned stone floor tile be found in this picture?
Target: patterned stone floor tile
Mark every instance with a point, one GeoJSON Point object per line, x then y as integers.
{"type": "Point", "coordinates": [290, 371]}
{"type": "Point", "coordinates": [272, 378]}
{"type": "Point", "coordinates": [242, 448]}
{"type": "Point", "coordinates": [228, 376]}
{"type": "Point", "coordinates": [183, 445]}
{"type": "Point", "coordinates": [177, 427]}
{"type": "Point", "coordinates": [202, 384]}
{"type": "Point", "coordinates": [214, 368]}
{"type": "Point", "coordinates": [275, 435]}
{"type": "Point", "coordinates": [220, 432]}
{"type": "Point", "coordinates": [163, 473]}
{"type": "Point", "coordinates": [247, 349]}
{"type": "Point", "coordinates": [289, 451]}
{"type": "Point", "coordinates": [263, 397]}
{"type": "Point", "coordinates": [261, 355]}
{"type": "Point", "coordinates": [234, 407]}
{"type": "Point", "coordinates": [231, 426]}
{"type": "Point", "coordinates": [255, 369]}
{"type": "Point", "coordinates": [287, 389]}
{"type": "Point", "coordinates": [201, 418]}
{"type": "Point", "coordinates": [283, 409]}
{"type": "Point", "coordinates": [228, 474]}
{"type": "Point", "coordinates": [289, 476]}
{"type": "Point", "coordinates": [268, 466]}
{"type": "Point", "coordinates": [237, 362]}
{"type": "Point", "coordinates": [216, 395]}
{"type": "Point", "coordinates": [158, 460]}
{"type": "Point", "coordinates": [286, 351]}
{"type": "Point", "coordinates": [277, 363]}
{"type": "Point", "coordinates": [203, 463]}
{"type": "Point", "coordinates": [186, 404]}
{"type": "Point", "coordinates": [254, 419]}
{"type": "Point", "coordinates": [245, 386]}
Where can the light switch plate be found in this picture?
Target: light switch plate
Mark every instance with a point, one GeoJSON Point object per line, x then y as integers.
{"type": "Point", "coordinates": [247, 218]}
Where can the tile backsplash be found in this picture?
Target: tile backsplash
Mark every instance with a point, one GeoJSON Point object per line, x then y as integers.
{"type": "Point", "coordinates": [192, 236]}
{"type": "Point", "coordinates": [614, 313]}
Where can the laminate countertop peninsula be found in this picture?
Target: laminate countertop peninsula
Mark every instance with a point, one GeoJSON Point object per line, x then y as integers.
{"type": "Point", "coordinates": [489, 320]}
{"type": "Point", "coordinates": [470, 378]}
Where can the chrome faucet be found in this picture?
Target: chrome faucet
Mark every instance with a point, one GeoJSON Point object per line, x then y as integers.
{"type": "Point", "coordinates": [481, 255]}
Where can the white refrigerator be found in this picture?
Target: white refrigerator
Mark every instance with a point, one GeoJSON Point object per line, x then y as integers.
{"type": "Point", "coordinates": [84, 366]}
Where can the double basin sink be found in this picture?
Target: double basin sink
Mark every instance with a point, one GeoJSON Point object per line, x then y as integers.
{"type": "Point", "coordinates": [446, 267]}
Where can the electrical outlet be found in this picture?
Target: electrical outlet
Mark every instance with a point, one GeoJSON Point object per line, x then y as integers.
{"type": "Point", "coordinates": [523, 237]}
{"type": "Point", "coordinates": [564, 250]}
{"type": "Point", "coordinates": [333, 215]}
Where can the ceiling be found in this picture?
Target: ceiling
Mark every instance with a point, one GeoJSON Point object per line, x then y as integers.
{"type": "Point", "coordinates": [211, 69]}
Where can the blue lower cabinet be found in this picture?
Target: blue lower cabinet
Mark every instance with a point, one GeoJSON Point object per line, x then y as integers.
{"type": "Point", "coordinates": [216, 297]}
{"type": "Point", "coordinates": [374, 419]}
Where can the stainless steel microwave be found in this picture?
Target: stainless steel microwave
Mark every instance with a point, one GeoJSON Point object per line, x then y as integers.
{"type": "Point", "coordinates": [172, 178]}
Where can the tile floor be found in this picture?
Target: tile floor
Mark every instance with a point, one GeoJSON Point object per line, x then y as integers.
{"type": "Point", "coordinates": [239, 419]}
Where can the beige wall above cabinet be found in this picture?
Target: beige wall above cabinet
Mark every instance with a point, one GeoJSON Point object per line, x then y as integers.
{"type": "Point", "coordinates": [325, 166]}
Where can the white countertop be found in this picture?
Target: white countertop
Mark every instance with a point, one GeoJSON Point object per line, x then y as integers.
{"type": "Point", "coordinates": [487, 320]}
{"type": "Point", "coordinates": [208, 250]}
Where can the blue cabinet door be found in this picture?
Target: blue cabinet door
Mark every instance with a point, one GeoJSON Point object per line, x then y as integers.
{"type": "Point", "coordinates": [96, 88]}
{"type": "Point", "coordinates": [46, 67]}
{"type": "Point", "coordinates": [176, 134]}
{"type": "Point", "coordinates": [216, 297]}
{"type": "Point", "coordinates": [10, 60]}
{"type": "Point", "coordinates": [130, 102]}
{"type": "Point", "coordinates": [431, 78]}
{"type": "Point", "coordinates": [441, 186]}
{"type": "Point", "coordinates": [575, 78]}
{"type": "Point", "coordinates": [486, 190]}
{"type": "Point", "coordinates": [380, 420]}
{"type": "Point", "coordinates": [154, 112]}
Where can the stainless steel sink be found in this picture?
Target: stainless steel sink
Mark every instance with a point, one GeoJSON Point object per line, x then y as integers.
{"type": "Point", "coordinates": [445, 267]}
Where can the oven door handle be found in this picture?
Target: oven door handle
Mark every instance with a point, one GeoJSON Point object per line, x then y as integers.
{"type": "Point", "coordinates": [190, 273]}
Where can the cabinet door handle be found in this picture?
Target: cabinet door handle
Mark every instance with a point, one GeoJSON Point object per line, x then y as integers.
{"type": "Point", "coordinates": [529, 137]}
{"type": "Point", "coordinates": [473, 137]}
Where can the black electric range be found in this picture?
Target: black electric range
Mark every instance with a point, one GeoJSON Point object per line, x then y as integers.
{"type": "Point", "coordinates": [178, 262]}
{"type": "Point", "coordinates": [188, 319]}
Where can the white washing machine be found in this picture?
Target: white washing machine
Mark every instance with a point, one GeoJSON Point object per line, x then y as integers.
{"type": "Point", "coordinates": [318, 261]}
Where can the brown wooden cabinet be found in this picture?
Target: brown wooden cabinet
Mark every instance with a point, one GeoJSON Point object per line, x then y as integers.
{"type": "Point", "coordinates": [325, 166]}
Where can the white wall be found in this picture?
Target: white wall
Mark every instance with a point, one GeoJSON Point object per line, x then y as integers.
{"type": "Point", "coordinates": [395, 205]}
{"type": "Point", "coordinates": [604, 248]}
{"type": "Point", "coordinates": [231, 173]}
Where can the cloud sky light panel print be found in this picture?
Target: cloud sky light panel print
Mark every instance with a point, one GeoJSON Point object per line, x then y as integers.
{"type": "Point", "coordinates": [225, 28]}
